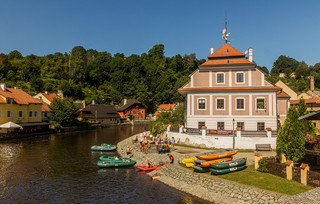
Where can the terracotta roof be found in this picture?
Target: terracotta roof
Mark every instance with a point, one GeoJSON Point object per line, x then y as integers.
{"type": "Point", "coordinates": [226, 62]}
{"type": "Point", "coordinates": [166, 107]}
{"type": "Point", "coordinates": [230, 88]}
{"type": "Point", "coordinates": [18, 96]}
{"type": "Point", "coordinates": [226, 50]}
{"type": "Point", "coordinates": [309, 100]}
{"type": "Point", "coordinates": [99, 111]}
{"type": "Point", "coordinates": [282, 94]}
{"type": "Point", "coordinates": [44, 107]}
{"type": "Point", "coordinates": [50, 96]}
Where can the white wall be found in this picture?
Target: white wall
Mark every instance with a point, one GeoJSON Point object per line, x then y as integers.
{"type": "Point", "coordinates": [222, 141]}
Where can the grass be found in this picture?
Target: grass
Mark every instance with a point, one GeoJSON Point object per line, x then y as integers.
{"type": "Point", "coordinates": [266, 181]}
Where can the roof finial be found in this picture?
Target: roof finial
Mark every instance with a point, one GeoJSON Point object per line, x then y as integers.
{"type": "Point", "coordinates": [224, 31]}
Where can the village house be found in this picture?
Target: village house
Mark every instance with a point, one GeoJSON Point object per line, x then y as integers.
{"type": "Point", "coordinates": [131, 109]}
{"type": "Point", "coordinates": [19, 107]}
{"type": "Point", "coordinates": [229, 91]}
{"type": "Point", "coordinates": [100, 114]}
{"type": "Point", "coordinates": [46, 99]}
{"type": "Point", "coordinates": [165, 108]}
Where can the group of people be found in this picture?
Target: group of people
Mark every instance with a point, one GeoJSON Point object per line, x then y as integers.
{"type": "Point", "coordinates": [149, 164]}
{"type": "Point", "coordinates": [165, 145]}
{"type": "Point", "coordinates": [143, 146]}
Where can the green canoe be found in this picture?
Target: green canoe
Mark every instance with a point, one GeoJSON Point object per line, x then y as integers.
{"type": "Point", "coordinates": [117, 163]}
{"type": "Point", "coordinates": [201, 169]}
{"type": "Point", "coordinates": [228, 170]}
{"type": "Point", "coordinates": [225, 165]}
{"type": "Point", "coordinates": [107, 145]}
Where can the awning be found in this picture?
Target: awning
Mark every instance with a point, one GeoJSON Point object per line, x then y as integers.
{"type": "Point", "coordinates": [10, 125]}
{"type": "Point", "coordinates": [311, 116]}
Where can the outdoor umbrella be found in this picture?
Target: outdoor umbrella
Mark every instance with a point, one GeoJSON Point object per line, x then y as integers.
{"type": "Point", "coordinates": [10, 125]}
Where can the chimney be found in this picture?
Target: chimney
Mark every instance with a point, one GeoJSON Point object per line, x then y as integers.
{"type": "Point", "coordinates": [250, 54]}
{"type": "Point", "coordinates": [211, 50]}
{"type": "Point", "coordinates": [124, 101]}
{"type": "Point", "coordinates": [3, 86]}
{"type": "Point", "coordinates": [93, 102]}
{"type": "Point", "coordinates": [312, 83]}
{"type": "Point", "coordinates": [60, 93]}
{"type": "Point", "coordinates": [46, 92]}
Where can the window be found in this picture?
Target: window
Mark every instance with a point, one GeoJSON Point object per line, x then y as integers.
{"type": "Point", "coordinates": [102, 121]}
{"type": "Point", "coordinates": [20, 114]}
{"type": "Point", "coordinates": [240, 104]}
{"type": "Point", "coordinates": [260, 126]}
{"type": "Point", "coordinates": [35, 114]}
{"type": "Point", "coordinates": [220, 78]}
{"type": "Point", "coordinates": [220, 104]}
{"type": "Point", "coordinates": [240, 125]}
{"type": "Point", "coordinates": [202, 104]}
{"type": "Point", "coordinates": [45, 114]}
{"type": "Point", "coordinates": [30, 114]}
{"type": "Point", "coordinates": [9, 101]}
{"type": "Point", "coordinates": [9, 114]}
{"type": "Point", "coordinates": [200, 124]}
{"type": "Point", "coordinates": [261, 104]}
{"type": "Point", "coordinates": [240, 77]}
{"type": "Point", "coordinates": [220, 125]}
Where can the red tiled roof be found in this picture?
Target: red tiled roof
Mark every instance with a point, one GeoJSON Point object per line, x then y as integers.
{"type": "Point", "coordinates": [226, 62]}
{"type": "Point", "coordinates": [166, 107]}
{"type": "Point", "coordinates": [19, 96]}
{"type": "Point", "coordinates": [282, 94]}
{"type": "Point", "coordinates": [45, 106]}
{"type": "Point", "coordinates": [226, 50]}
{"type": "Point", "coordinates": [49, 96]}
{"type": "Point", "coordinates": [309, 100]}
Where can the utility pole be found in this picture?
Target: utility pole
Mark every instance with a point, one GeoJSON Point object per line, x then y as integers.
{"type": "Point", "coordinates": [233, 134]}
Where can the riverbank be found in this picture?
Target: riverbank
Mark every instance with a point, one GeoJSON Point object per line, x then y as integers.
{"type": "Point", "coordinates": [208, 187]}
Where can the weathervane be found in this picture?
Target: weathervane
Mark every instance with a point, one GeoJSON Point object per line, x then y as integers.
{"type": "Point", "coordinates": [225, 35]}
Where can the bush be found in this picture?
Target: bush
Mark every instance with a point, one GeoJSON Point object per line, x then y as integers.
{"type": "Point", "coordinates": [263, 166]}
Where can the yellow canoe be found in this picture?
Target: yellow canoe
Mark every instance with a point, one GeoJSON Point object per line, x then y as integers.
{"type": "Point", "coordinates": [189, 164]}
{"type": "Point", "coordinates": [207, 164]}
{"type": "Point", "coordinates": [188, 160]}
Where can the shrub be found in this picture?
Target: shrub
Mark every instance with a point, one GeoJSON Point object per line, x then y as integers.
{"type": "Point", "coordinates": [263, 166]}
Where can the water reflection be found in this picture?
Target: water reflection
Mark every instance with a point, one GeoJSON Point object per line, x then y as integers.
{"type": "Point", "coordinates": [61, 168]}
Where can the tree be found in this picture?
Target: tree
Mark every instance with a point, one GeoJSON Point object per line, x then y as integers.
{"type": "Point", "coordinates": [15, 54]}
{"type": "Point", "coordinates": [284, 62]}
{"type": "Point", "coordinates": [63, 112]}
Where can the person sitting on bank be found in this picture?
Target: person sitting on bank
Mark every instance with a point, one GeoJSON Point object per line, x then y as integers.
{"type": "Point", "coordinates": [161, 149]}
{"type": "Point", "coordinates": [171, 158]}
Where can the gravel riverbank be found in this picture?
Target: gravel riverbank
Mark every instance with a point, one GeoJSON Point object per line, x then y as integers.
{"type": "Point", "coordinates": [210, 188]}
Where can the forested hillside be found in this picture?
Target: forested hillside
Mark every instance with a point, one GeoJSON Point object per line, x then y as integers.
{"type": "Point", "coordinates": [150, 77]}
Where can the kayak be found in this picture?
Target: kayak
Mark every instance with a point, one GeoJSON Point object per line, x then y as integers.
{"type": "Point", "coordinates": [102, 148]}
{"type": "Point", "coordinates": [201, 169]}
{"type": "Point", "coordinates": [117, 163]}
{"type": "Point", "coordinates": [208, 163]}
{"type": "Point", "coordinates": [145, 168]}
{"type": "Point", "coordinates": [107, 158]}
{"type": "Point", "coordinates": [198, 161]}
{"type": "Point", "coordinates": [227, 170]}
{"type": "Point", "coordinates": [189, 164]}
{"type": "Point", "coordinates": [234, 163]}
{"type": "Point", "coordinates": [188, 160]}
{"type": "Point", "coordinates": [217, 154]}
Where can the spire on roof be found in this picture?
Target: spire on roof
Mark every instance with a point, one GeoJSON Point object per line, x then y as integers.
{"type": "Point", "coordinates": [225, 34]}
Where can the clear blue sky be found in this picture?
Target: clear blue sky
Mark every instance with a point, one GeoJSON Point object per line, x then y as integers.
{"type": "Point", "coordinates": [270, 27]}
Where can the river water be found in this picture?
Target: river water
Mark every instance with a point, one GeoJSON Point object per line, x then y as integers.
{"type": "Point", "coordinates": [61, 168]}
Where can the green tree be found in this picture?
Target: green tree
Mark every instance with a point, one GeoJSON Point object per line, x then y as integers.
{"type": "Point", "coordinates": [284, 62]}
{"type": "Point", "coordinates": [15, 54]}
{"type": "Point", "coordinates": [63, 112]}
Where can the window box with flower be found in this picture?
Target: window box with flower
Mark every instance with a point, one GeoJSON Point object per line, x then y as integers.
{"type": "Point", "coordinates": [311, 141]}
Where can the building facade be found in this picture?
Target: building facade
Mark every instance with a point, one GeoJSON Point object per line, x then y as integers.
{"type": "Point", "coordinates": [100, 114]}
{"type": "Point", "coordinates": [229, 91]}
{"type": "Point", "coordinates": [131, 109]}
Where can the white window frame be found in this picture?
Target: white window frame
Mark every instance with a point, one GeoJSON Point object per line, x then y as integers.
{"type": "Point", "coordinates": [264, 126]}
{"type": "Point", "coordinates": [243, 125]}
{"type": "Point", "coordinates": [244, 104]}
{"type": "Point", "coordinates": [265, 105]}
{"type": "Point", "coordinates": [19, 114]}
{"type": "Point", "coordinates": [244, 78]}
{"type": "Point", "coordinates": [224, 104]}
{"type": "Point", "coordinates": [205, 104]}
{"type": "Point", "coordinates": [224, 78]}
{"type": "Point", "coordinates": [224, 125]}
{"type": "Point", "coordinates": [10, 115]}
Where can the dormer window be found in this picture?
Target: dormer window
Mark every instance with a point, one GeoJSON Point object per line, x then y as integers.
{"type": "Point", "coordinates": [9, 101]}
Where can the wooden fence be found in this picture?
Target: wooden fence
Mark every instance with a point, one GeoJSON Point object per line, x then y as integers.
{"type": "Point", "coordinates": [275, 167]}
{"type": "Point", "coordinates": [314, 179]}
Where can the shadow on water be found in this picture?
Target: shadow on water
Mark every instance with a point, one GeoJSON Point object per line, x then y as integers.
{"type": "Point", "coordinates": [61, 168]}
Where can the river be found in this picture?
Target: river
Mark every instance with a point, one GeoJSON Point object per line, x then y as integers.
{"type": "Point", "coordinates": [61, 168]}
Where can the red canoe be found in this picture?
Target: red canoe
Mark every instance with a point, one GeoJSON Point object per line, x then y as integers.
{"type": "Point", "coordinates": [145, 168]}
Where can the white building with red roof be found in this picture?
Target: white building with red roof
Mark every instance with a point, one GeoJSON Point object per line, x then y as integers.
{"type": "Point", "coordinates": [229, 90]}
